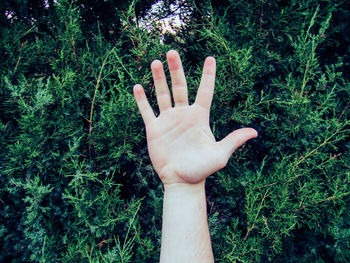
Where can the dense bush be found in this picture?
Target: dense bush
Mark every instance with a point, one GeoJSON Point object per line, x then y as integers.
{"type": "Point", "coordinates": [76, 183]}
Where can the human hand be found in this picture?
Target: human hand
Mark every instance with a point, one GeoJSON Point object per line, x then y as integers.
{"type": "Point", "coordinates": [180, 142]}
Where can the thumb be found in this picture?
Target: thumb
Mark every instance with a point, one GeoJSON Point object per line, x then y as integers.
{"type": "Point", "coordinates": [236, 139]}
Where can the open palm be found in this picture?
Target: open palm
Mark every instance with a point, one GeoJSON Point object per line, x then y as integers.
{"type": "Point", "coordinates": [181, 145]}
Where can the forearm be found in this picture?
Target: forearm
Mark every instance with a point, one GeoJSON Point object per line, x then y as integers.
{"type": "Point", "coordinates": [180, 140]}
{"type": "Point", "coordinates": [185, 233]}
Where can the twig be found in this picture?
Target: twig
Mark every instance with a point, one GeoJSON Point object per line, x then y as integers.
{"type": "Point", "coordinates": [322, 200]}
{"type": "Point", "coordinates": [71, 39]}
{"type": "Point", "coordinates": [257, 214]}
{"type": "Point", "coordinates": [304, 79]}
{"type": "Point", "coordinates": [284, 182]}
{"type": "Point", "coordinates": [20, 55]}
{"type": "Point", "coordinates": [261, 21]}
{"type": "Point", "coordinates": [314, 150]}
{"type": "Point", "coordinates": [14, 183]}
{"type": "Point", "coordinates": [95, 94]}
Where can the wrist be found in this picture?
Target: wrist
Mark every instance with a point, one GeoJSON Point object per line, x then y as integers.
{"type": "Point", "coordinates": [179, 178]}
{"type": "Point", "coordinates": [185, 191]}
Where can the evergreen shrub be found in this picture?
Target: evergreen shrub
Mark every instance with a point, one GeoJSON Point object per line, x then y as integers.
{"type": "Point", "coordinates": [76, 182]}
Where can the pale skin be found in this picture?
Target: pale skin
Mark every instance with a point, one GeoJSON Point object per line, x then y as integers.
{"type": "Point", "coordinates": [184, 152]}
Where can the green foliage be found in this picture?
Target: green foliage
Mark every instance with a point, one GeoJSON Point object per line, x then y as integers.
{"type": "Point", "coordinates": [76, 182]}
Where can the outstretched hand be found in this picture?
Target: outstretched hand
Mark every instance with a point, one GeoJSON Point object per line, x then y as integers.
{"type": "Point", "coordinates": [180, 142]}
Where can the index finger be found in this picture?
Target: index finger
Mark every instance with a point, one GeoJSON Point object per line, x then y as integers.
{"type": "Point", "coordinates": [206, 87]}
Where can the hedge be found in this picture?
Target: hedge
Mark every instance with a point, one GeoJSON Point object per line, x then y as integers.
{"type": "Point", "coordinates": [76, 182]}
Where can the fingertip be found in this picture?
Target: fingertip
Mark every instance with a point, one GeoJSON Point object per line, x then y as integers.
{"type": "Point", "coordinates": [237, 138]}
{"type": "Point", "coordinates": [248, 133]}
{"type": "Point", "coordinates": [210, 60]}
{"type": "Point", "coordinates": [137, 87]}
{"type": "Point", "coordinates": [156, 63]}
{"type": "Point", "coordinates": [138, 90]}
{"type": "Point", "coordinates": [172, 53]}
{"type": "Point", "coordinates": [209, 66]}
{"type": "Point", "coordinates": [174, 60]}
{"type": "Point", "coordinates": [255, 133]}
{"type": "Point", "coordinates": [157, 70]}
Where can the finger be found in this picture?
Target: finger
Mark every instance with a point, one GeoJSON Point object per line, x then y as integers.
{"type": "Point", "coordinates": [178, 80]}
{"type": "Point", "coordinates": [143, 105]}
{"type": "Point", "coordinates": [162, 90]}
{"type": "Point", "coordinates": [206, 87]}
{"type": "Point", "coordinates": [236, 139]}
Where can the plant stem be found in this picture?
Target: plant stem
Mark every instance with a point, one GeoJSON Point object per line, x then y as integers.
{"type": "Point", "coordinates": [95, 93]}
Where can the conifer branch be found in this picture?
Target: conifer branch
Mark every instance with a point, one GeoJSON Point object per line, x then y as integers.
{"type": "Point", "coordinates": [43, 250]}
{"type": "Point", "coordinates": [19, 59]}
{"type": "Point", "coordinates": [257, 214]}
{"type": "Point", "coordinates": [288, 180]}
{"type": "Point", "coordinates": [282, 182]}
{"type": "Point", "coordinates": [123, 66]}
{"type": "Point", "coordinates": [20, 55]}
{"type": "Point", "coordinates": [304, 79]}
{"type": "Point", "coordinates": [71, 39]}
{"type": "Point", "coordinates": [327, 199]}
{"type": "Point", "coordinates": [95, 93]}
{"type": "Point", "coordinates": [319, 146]}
